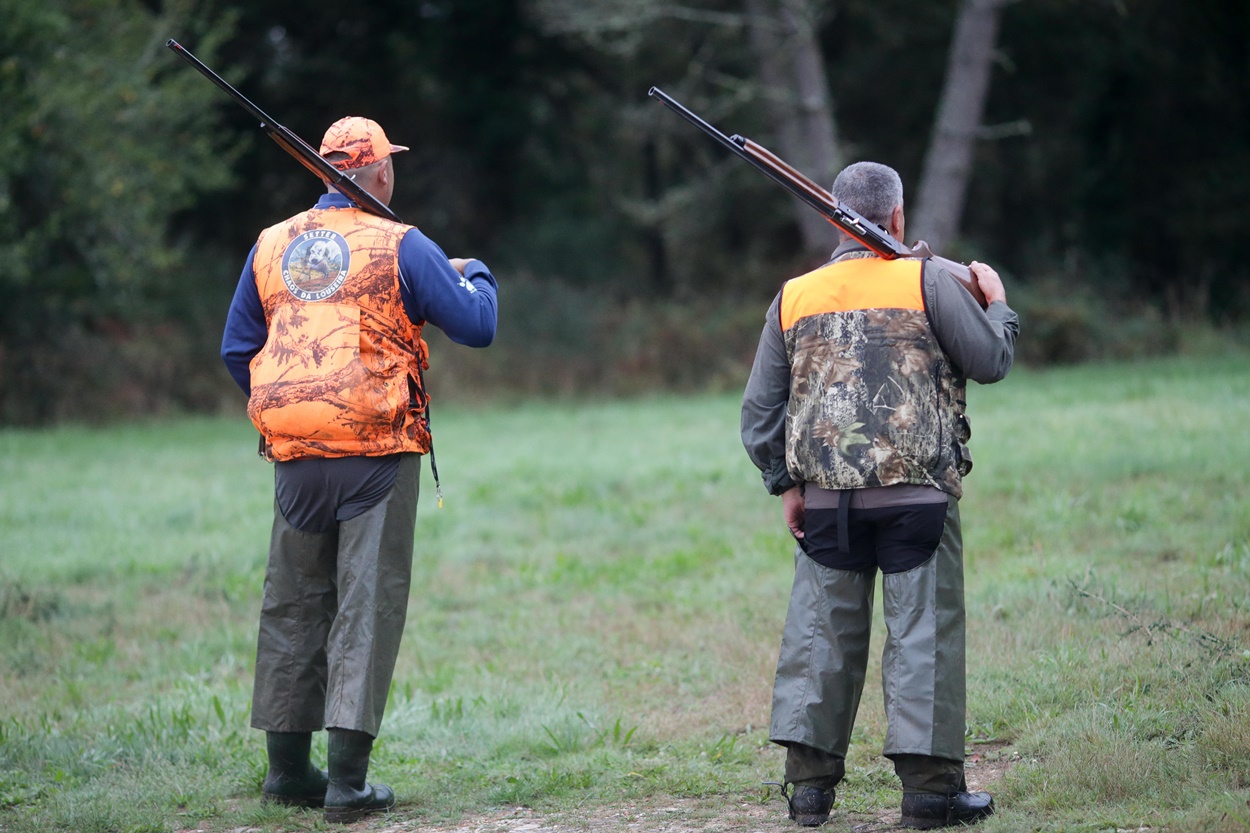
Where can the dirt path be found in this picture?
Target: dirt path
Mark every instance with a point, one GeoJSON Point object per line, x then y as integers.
{"type": "Point", "coordinates": [674, 815]}
{"type": "Point", "coordinates": [711, 815]}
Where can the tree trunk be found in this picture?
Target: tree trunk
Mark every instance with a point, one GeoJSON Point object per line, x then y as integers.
{"type": "Point", "coordinates": [784, 38]}
{"type": "Point", "coordinates": [948, 162]}
{"type": "Point", "coordinates": [653, 233]}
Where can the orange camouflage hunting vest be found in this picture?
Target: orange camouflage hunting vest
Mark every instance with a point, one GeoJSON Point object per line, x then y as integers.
{"type": "Point", "coordinates": [874, 401]}
{"type": "Point", "coordinates": [340, 372]}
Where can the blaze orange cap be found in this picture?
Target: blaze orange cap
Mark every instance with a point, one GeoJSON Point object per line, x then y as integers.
{"type": "Point", "coordinates": [363, 140]}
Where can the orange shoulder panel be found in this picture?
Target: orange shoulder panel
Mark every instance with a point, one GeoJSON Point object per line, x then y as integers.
{"type": "Point", "coordinates": [853, 284]}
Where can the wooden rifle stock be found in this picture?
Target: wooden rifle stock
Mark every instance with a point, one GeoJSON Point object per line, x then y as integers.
{"type": "Point", "coordinates": [762, 155]}
{"type": "Point", "coordinates": [850, 222]}
{"type": "Point", "coordinates": [292, 144]}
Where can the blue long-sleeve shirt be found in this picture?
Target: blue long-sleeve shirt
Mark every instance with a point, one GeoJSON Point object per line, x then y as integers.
{"type": "Point", "coordinates": [465, 307]}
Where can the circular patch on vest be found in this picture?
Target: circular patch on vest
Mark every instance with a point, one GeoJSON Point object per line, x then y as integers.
{"type": "Point", "coordinates": [314, 265]}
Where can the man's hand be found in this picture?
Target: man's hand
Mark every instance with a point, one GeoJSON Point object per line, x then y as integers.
{"type": "Point", "coordinates": [792, 507]}
{"type": "Point", "coordinates": [458, 263]}
{"type": "Point", "coordinates": [991, 285]}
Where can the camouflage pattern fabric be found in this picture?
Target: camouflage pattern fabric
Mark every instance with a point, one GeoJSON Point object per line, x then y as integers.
{"type": "Point", "coordinates": [873, 400]}
{"type": "Point", "coordinates": [340, 372]}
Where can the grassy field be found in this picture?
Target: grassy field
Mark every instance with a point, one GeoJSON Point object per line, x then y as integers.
{"type": "Point", "coordinates": [596, 612]}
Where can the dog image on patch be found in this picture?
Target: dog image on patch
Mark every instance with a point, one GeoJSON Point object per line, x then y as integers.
{"type": "Point", "coordinates": [314, 265]}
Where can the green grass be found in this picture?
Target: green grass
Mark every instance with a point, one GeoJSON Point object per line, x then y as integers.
{"type": "Point", "coordinates": [596, 611]}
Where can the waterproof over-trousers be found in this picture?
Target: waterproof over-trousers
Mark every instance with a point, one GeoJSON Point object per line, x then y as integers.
{"type": "Point", "coordinates": [332, 615]}
{"type": "Point", "coordinates": [824, 658]}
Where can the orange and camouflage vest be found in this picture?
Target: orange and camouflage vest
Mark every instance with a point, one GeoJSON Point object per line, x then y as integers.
{"type": "Point", "coordinates": [874, 401]}
{"type": "Point", "coordinates": [340, 372]}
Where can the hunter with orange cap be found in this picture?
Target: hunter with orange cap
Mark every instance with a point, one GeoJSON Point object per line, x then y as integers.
{"type": "Point", "coordinates": [324, 336]}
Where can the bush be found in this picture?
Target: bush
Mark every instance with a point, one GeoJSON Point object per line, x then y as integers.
{"type": "Point", "coordinates": [1065, 322]}
{"type": "Point", "coordinates": [553, 341]}
{"type": "Point", "coordinates": [556, 340]}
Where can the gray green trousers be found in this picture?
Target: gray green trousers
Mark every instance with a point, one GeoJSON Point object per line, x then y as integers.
{"type": "Point", "coordinates": [332, 616]}
{"type": "Point", "coordinates": [824, 658]}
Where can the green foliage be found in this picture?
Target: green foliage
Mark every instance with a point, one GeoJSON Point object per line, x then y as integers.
{"type": "Point", "coordinates": [1067, 321]}
{"type": "Point", "coordinates": [102, 144]}
{"type": "Point", "coordinates": [131, 188]}
{"type": "Point", "coordinates": [568, 341]}
{"type": "Point", "coordinates": [1134, 157]}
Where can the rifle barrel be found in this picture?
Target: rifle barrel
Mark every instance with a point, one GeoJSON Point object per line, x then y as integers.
{"type": "Point", "coordinates": [290, 142]}
{"type": "Point", "coordinates": [674, 105]}
{"type": "Point", "coordinates": [876, 238]}
{"type": "Point", "coordinates": [182, 52]}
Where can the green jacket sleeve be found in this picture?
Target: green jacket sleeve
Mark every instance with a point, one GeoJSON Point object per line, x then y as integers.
{"type": "Point", "coordinates": [764, 405]}
{"type": "Point", "coordinates": [980, 343]}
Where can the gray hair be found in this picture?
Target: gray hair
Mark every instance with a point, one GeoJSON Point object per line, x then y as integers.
{"type": "Point", "coordinates": [870, 188]}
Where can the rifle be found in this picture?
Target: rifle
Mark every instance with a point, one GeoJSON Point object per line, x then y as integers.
{"type": "Point", "coordinates": [292, 144]}
{"type": "Point", "coordinates": [851, 222]}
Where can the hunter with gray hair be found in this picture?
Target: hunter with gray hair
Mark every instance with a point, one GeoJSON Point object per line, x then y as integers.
{"type": "Point", "coordinates": [870, 188]}
{"type": "Point", "coordinates": [855, 415]}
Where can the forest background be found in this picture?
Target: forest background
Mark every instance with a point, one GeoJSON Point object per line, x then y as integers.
{"type": "Point", "coordinates": [1097, 152]}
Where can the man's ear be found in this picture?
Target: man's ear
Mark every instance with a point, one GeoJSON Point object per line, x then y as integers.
{"type": "Point", "coordinates": [897, 222]}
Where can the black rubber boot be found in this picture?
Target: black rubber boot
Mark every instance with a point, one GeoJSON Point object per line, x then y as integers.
{"type": "Point", "coordinates": [810, 806]}
{"type": "Point", "coordinates": [349, 797]}
{"type": "Point", "coordinates": [292, 779]}
{"type": "Point", "coordinates": [928, 810]}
